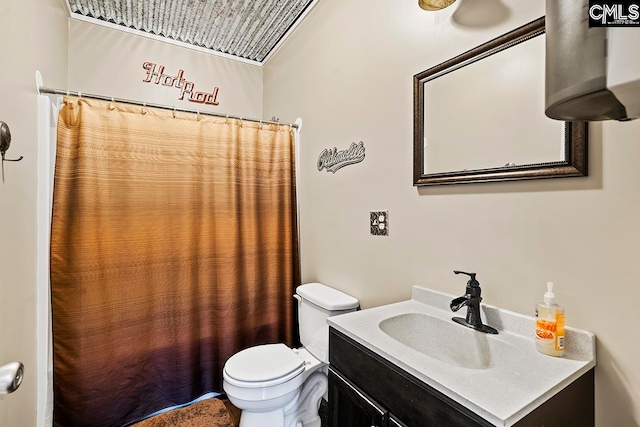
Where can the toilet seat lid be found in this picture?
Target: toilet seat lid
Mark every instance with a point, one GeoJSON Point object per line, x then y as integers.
{"type": "Point", "coordinates": [264, 363]}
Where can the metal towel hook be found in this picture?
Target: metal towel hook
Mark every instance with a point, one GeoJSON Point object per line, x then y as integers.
{"type": "Point", "coordinates": [5, 143]}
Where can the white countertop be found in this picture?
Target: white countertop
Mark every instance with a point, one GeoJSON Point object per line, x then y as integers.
{"type": "Point", "coordinates": [504, 392]}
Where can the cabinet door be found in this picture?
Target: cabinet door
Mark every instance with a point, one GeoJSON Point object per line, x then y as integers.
{"type": "Point", "coordinates": [350, 407]}
{"type": "Point", "coordinates": [394, 422]}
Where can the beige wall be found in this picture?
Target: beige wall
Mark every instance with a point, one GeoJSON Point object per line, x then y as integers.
{"type": "Point", "coordinates": [347, 71]}
{"type": "Point", "coordinates": [34, 35]}
{"type": "Point", "coordinates": [109, 62]}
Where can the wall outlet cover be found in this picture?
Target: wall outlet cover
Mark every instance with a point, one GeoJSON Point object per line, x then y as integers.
{"type": "Point", "coordinates": [379, 223]}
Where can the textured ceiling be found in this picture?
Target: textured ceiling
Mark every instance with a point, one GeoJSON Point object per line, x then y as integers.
{"type": "Point", "coordinates": [248, 29]}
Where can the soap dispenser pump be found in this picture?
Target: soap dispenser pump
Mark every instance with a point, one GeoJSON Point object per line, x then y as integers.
{"type": "Point", "coordinates": [550, 325]}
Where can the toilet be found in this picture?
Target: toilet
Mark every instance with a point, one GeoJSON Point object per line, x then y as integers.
{"type": "Point", "coordinates": [277, 386]}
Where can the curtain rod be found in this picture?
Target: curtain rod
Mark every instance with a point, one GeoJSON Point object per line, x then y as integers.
{"type": "Point", "coordinates": [43, 89]}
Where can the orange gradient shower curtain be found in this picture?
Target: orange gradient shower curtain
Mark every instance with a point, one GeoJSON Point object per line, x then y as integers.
{"type": "Point", "coordinates": [174, 245]}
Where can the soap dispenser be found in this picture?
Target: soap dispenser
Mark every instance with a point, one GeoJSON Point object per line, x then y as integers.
{"type": "Point", "coordinates": [550, 325]}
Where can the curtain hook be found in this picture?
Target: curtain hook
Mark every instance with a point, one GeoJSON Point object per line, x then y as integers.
{"type": "Point", "coordinates": [79, 94]}
{"type": "Point", "coordinates": [174, 111]}
{"type": "Point", "coordinates": [241, 124]}
{"type": "Point", "coordinates": [226, 120]}
{"type": "Point", "coordinates": [260, 124]}
{"type": "Point", "coordinates": [198, 117]}
{"type": "Point", "coordinates": [112, 105]}
{"type": "Point", "coordinates": [144, 108]}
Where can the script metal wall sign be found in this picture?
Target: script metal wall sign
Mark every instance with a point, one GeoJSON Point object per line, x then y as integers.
{"type": "Point", "coordinates": [332, 159]}
{"type": "Point", "coordinates": [156, 75]}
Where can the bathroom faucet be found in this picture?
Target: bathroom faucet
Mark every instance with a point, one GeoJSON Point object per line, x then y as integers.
{"type": "Point", "coordinates": [471, 299]}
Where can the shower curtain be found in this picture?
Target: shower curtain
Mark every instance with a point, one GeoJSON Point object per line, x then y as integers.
{"type": "Point", "coordinates": [174, 245]}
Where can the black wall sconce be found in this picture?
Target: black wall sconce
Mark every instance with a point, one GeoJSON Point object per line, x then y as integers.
{"type": "Point", "coordinates": [5, 143]}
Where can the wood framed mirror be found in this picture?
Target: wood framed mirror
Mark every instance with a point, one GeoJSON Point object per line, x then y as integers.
{"type": "Point", "coordinates": [479, 117]}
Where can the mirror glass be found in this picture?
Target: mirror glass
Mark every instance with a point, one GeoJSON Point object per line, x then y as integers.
{"type": "Point", "coordinates": [480, 116]}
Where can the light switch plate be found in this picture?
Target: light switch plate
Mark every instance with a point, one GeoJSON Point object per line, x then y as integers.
{"type": "Point", "coordinates": [379, 223]}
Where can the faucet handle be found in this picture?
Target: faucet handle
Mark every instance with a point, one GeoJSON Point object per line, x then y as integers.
{"type": "Point", "coordinates": [472, 282]}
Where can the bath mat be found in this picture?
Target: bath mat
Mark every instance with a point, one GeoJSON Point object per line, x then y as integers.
{"type": "Point", "coordinates": [234, 412]}
{"type": "Point", "coordinates": [206, 413]}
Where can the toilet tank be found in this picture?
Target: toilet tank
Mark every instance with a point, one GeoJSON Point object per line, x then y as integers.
{"type": "Point", "coordinates": [316, 303]}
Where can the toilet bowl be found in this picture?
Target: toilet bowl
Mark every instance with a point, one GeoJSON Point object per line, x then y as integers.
{"type": "Point", "coordinates": [277, 386]}
{"type": "Point", "coordinates": [268, 399]}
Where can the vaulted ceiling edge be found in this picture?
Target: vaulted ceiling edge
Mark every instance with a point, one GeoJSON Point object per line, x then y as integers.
{"type": "Point", "coordinates": [245, 30]}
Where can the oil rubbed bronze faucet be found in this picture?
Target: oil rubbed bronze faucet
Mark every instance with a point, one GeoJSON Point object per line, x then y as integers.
{"type": "Point", "coordinates": [472, 300]}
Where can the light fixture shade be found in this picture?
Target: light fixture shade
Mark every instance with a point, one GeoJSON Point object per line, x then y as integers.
{"type": "Point", "coordinates": [432, 5]}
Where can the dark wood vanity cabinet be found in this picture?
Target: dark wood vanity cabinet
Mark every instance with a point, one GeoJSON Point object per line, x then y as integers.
{"type": "Point", "coordinates": [365, 390]}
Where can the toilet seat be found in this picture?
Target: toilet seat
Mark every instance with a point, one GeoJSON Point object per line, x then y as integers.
{"type": "Point", "coordinates": [263, 366]}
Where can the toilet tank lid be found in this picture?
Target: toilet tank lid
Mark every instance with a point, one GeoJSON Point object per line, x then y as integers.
{"type": "Point", "coordinates": [326, 297]}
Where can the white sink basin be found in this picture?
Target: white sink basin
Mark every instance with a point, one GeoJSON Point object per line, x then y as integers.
{"type": "Point", "coordinates": [448, 341]}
